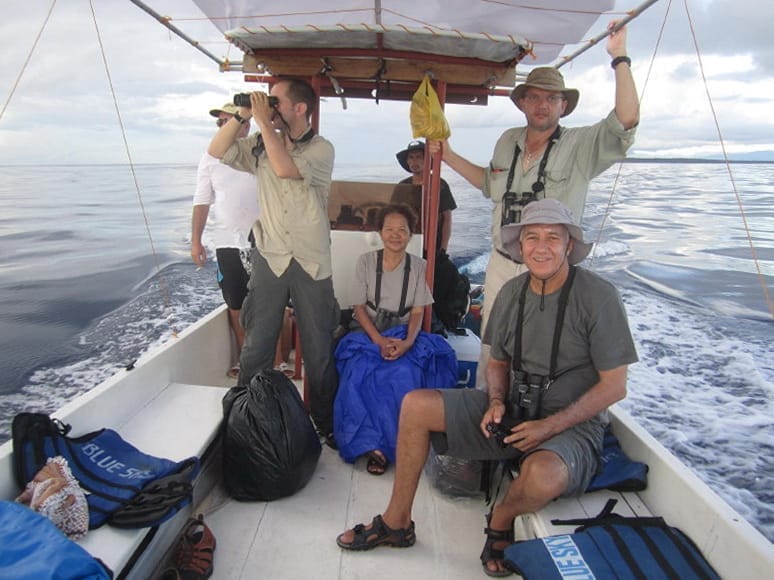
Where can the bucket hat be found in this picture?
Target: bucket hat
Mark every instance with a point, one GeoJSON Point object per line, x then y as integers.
{"type": "Point", "coordinates": [402, 156]}
{"type": "Point", "coordinates": [228, 108]}
{"type": "Point", "coordinates": [547, 78]}
{"type": "Point", "coordinates": [545, 211]}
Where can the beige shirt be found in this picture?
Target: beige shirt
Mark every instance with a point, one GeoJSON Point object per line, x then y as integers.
{"type": "Point", "coordinates": [580, 154]}
{"type": "Point", "coordinates": [294, 212]}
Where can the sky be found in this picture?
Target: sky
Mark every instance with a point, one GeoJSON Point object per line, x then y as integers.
{"type": "Point", "coordinates": [58, 101]}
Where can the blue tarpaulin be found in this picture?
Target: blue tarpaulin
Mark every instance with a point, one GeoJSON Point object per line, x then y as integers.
{"type": "Point", "coordinates": [371, 389]}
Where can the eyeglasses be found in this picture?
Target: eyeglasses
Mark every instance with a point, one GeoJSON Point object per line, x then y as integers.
{"type": "Point", "coordinates": [221, 122]}
{"type": "Point", "coordinates": [534, 99]}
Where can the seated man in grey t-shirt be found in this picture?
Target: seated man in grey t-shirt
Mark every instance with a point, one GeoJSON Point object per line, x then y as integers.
{"type": "Point", "coordinates": [560, 348]}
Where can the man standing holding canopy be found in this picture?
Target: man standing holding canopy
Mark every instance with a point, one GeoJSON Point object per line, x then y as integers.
{"type": "Point", "coordinates": [544, 159]}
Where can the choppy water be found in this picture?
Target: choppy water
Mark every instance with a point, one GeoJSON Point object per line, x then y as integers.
{"type": "Point", "coordinates": [81, 296]}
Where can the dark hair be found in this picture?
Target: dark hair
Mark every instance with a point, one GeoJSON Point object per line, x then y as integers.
{"type": "Point", "coordinates": [399, 208]}
{"type": "Point", "coordinates": [300, 91]}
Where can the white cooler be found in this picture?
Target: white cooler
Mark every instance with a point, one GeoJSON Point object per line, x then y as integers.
{"type": "Point", "coordinates": [467, 347]}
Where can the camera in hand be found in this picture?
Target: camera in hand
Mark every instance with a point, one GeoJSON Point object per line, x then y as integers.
{"type": "Point", "coordinates": [501, 430]}
{"type": "Point", "coordinates": [243, 100]}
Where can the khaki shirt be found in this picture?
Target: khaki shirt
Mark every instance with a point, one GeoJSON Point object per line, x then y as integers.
{"type": "Point", "coordinates": [294, 217]}
{"type": "Point", "coordinates": [580, 154]}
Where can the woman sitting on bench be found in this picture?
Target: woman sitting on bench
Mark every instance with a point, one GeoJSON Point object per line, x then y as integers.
{"type": "Point", "coordinates": [390, 356]}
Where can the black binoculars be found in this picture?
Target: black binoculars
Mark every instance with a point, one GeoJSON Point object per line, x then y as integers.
{"type": "Point", "coordinates": [243, 100]}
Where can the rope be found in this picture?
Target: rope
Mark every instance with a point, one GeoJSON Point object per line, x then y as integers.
{"type": "Point", "coordinates": [27, 61]}
{"type": "Point", "coordinates": [742, 213]}
{"type": "Point", "coordinates": [162, 279]}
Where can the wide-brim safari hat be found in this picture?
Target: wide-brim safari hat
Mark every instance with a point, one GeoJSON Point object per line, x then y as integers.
{"type": "Point", "coordinates": [545, 211]}
{"type": "Point", "coordinates": [228, 108]}
{"type": "Point", "coordinates": [403, 155]}
{"type": "Point", "coordinates": [547, 78]}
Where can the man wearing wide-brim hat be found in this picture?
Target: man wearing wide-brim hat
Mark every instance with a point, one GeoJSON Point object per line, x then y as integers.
{"type": "Point", "coordinates": [543, 159]}
{"type": "Point", "coordinates": [564, 332]}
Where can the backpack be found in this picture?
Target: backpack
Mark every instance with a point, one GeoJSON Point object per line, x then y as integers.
{"type": "Point", "coordinates": [610, 546]}
{"type": "Point", "coordinates": [451, 292]}
{"type": "Point", "coordinates": [124, 486]}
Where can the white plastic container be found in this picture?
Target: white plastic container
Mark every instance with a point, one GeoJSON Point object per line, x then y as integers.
{"type": "Point", "coordinates": [467, 347]}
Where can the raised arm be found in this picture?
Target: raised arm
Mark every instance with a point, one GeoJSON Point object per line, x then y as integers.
{"type": "Point", "coordinates": [627, 104]}
{"type": "Point", "coordinates": [470, 171]}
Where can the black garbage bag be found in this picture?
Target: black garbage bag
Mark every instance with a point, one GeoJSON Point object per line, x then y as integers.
{"type": "Point", "coordinates": [270, 447]}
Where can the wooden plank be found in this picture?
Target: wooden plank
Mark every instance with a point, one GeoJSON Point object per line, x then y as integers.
{"type": "Point", "coordinates": [372, 68]}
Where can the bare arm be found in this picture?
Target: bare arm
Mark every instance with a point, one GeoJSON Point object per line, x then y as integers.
{"type": "Point", "coordinates": [198, 221]}
{"type": "Point", "coordinates": [610, 388]}
{"type": "Point", "coordinates": [627, 105]}
{"type": "Point", "coordinates": [470, 171]}
{"type": "Point", "coordinates": [226, 135]}
{"type": "Point", "coordinates": [497, 379]}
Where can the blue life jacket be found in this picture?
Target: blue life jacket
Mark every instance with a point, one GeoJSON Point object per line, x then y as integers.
{"type": "Point", "coordinates": [608, 547]}
{"type": "Point", "coordinates": [124, 486]}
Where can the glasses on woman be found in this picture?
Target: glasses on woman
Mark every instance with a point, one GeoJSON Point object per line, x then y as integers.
{"type": "Point", "coordinates": [221, 122]}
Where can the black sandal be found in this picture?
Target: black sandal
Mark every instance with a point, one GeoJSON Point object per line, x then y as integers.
{"type": "Point", "coordinates": [491, 554]}
{"type": "Point", "coordinates": [379, 534]}
{"type": "Point", "coordinates": [377, 464]}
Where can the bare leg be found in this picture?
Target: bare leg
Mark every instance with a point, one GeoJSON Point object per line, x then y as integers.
{"type": "Point", "coordinates": [542, 477]}
{"type": "Point", "coordinates": [236, 328]}
{"type": "Point", "coordinates": [421, 413]}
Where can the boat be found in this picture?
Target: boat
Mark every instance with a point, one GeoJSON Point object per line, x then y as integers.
{"type": "Point", "coordinates": [168, 402]}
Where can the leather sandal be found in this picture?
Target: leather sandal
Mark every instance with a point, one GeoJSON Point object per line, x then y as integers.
{"type": "Point", "coordinates": [492, 554]}
{"type": "Point", "coordinates": [379, 534]}
{"type": "Point", "coordinates": [377, 463]}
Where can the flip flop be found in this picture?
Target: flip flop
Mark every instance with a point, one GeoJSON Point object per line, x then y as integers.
{"type": "Point", "coordinates": [285, 369]}
{"type": "Point", "coordinates": [377, 463]}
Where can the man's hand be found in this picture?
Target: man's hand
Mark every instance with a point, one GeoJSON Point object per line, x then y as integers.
{"type": "Point", "coordinates": [528, 435]}
{"type": "Point", "coordinates": [198, 254]}
{"type": "Point", "coordinates": [261, 110]}
{"type": "Point", "coordinates": [616, 41]}
{"type": "Point", "coordinates": [494, 414]}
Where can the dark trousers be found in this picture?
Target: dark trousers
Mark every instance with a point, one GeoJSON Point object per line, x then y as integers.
{"type": "Point", "coordinates": [316, 313]}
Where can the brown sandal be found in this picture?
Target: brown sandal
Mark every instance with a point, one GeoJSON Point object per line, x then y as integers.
{"type": "Point", "coordinates": [379, 534]}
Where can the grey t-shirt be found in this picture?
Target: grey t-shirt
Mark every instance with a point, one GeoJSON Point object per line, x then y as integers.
{"type": "Point", "coordinates": [392, 285]}
{"type": "Point", "coordinates": [595, 335]}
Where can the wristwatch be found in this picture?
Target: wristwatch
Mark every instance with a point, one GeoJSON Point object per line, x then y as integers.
{"type": "Point", "coordinates": [619, 59]}
{"type": "Point", "coordinates": [242, 120]}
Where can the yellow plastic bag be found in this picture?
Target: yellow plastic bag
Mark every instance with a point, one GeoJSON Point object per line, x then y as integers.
{"type": "Point", "coordinates": [427, 118]}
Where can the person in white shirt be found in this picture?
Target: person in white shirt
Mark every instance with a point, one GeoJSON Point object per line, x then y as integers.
{"type": "Point", "coordinates": [227, 197]}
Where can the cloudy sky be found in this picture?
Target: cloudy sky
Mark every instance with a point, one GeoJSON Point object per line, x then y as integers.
{"type": "Point", "coordinates": [58, 107]}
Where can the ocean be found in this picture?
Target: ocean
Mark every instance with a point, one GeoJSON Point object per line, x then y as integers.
{"type": "Point", "coordinates": [94, 273]}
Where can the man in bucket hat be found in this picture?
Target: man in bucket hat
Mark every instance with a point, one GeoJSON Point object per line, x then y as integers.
{"type": "Point", "coordinates": [412, 159]}
{"type": "Point", "coordinates": [546, 160]}
{"type": "Point", "coordinates": [578, 344]}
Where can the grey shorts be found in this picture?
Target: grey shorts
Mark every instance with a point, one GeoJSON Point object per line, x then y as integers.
{"type": "Point", "coordinates": [579, 446]}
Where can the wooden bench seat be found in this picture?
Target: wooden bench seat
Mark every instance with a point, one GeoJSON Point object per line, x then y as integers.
{"type": "Point", "coordinates": [586, 506]}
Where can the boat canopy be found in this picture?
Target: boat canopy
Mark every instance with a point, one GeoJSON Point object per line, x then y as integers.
{"type": "Point", "coordinates": [465, 43]}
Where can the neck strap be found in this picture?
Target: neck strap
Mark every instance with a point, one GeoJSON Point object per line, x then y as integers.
{"type": "Point", "coordinates": [543, 161]}
{"type": "Point", "coordinates": [404, 291]}
{"type": "Point", "coordinates": [562, 307]}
